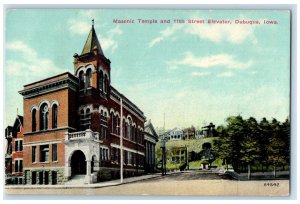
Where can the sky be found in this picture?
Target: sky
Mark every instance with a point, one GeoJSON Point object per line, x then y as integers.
{"type": "Point", "coordinates": [193, 73]}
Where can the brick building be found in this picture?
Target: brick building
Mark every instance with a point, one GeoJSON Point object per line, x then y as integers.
{"type": "Point", "coordinates": [72, 124]}
{"type": "Point", "coordinates": [14, 152]}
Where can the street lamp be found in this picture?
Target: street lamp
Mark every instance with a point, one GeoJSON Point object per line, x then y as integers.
{"type": "Point", "coordinates": [163, 147]}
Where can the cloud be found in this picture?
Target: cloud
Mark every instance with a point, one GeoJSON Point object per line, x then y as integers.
{"type": "Point", "coordinates": [115, 31]}
{"type": "Point", "coordinates": [217, 33]}
{"type": "Point", "coordinates": [88, 13]}
{"type": "Point", "coordinates": [108, 43]}
{"type": "Point", "coordinates": [232, 33]}
{"type": "Point", "coordinates": [169, 31]}
{"type": "Point", "coordinates": [83, 28]}
{"type": "Point", "coordinates": [200, 74]}
{"type": "Point", "coordinates": [79, 27]}
{"type": "Point", "coordinates": [219, 60]}
{"type": "Point", "coordinates": [225, 74]}
{"type": "Point", "coordinates": [19, 46]}
{"type": "Point", "coordinates": [30, 65]}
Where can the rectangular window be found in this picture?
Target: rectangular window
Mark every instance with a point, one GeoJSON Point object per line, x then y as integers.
{"type": "Point", "coordinates": [46, 177]}
{"type": "Point", "coordinates": [44, 153]}
{"type": "Point", "coordinates": [125, 157]}
{"type": "Point", "coordinates": [54, 177]}
{"type": "Point", "coordinates": [33, 178]}
{"type": "Point", "coordinates": [16, 166]}
{"type": "Point", "coordinates": [21, 145]}
{"type": "Point", "coordinates": [20, 165]}
{"type": "Point", "coordinates": [128, 157]}
{"type": "Point", "coordinates": [41, 177]}
{"type": "Point", "coordinates": [54, 152]}
{"type": "Point", "coordinates": [101, 153]}
{"type": "Point", "coordinates": [16, 146]}
{"type": "Point", "coordinates": [33, 154]}
{"type": "Point", "coordinates": [118, 155]}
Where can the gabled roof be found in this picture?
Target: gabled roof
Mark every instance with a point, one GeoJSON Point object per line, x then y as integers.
{"type": "Point", "coordinates": [18, 124]}
{"type": "Point", "coordinates": [92, 42]}
{"type": "Point", "coordinates": [150, 130]}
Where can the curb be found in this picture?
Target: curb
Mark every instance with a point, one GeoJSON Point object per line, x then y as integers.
{"type": "Point", "coordinates": [98, 185]}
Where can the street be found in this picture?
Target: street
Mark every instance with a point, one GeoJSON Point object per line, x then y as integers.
{"type": "Point", "coordinates": [185, 183]}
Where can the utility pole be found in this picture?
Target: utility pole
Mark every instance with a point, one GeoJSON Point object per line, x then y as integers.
{"type": "Point", "coordinates": [121, 143]}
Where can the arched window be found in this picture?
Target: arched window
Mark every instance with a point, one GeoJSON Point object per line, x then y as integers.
{"type": "Point", "coordinates": [88, 77]}
{"type": "Point", "coordinates": [137, 135]}
{"type": "Point", "coordinates": [54, 116]}
{"type": "Point", "coordinates": [133, 133]}
{"type": "Point", "coordinates": [101, 80]}
{"type": "Point", "coordinates": [44, 112]}
{"type": "Point", "coordinates": [129, 128]}
{"type": "Point", "coordinates": [105, 84]}
{"type": "Point", "coordinates": [33, 120]}
{"type": "Point", "coordinates": [112, 121]}
{"type": "Point", "coordinates": [117, 125]}
{"type": "Point", "coordinates": [81, 80]}
{"type": "Point", "coordinates": [124, 128]}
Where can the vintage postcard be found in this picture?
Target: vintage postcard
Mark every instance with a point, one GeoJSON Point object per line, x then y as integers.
{"type": "Point", "coordinates": [147, 102]}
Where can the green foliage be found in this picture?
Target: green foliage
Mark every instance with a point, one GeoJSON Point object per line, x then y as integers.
{"type": "Point", "coordinates": [247, 142]}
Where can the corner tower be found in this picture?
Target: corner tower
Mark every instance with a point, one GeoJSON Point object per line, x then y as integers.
{"type": "Point", "coordinates": [91, 67]}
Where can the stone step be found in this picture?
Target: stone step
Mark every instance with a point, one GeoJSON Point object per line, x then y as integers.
{"type": "Point", "coordinates": [76, 180]}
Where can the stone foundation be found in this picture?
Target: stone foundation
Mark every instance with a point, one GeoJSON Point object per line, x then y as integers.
{"type": "Point", "coordinates": [52, 175]}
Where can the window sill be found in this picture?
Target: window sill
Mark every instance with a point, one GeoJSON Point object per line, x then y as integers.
{"type": "Point", "coordinates": [45, 162]}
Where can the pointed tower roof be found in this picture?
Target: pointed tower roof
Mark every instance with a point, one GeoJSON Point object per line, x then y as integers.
{"type": "Point", "coordinates": [92, 42]}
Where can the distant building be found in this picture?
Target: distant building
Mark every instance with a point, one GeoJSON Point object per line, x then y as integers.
{"type": "Point", "coordinates": [209, 130]}
{"type": "Point", "coordinates": [176, 134]}
{"type": "Point", "coordinates": [14, 152]}
{"type": "Point", "coordinates": [189, 133]}
{"type": "Point", "coordinates": [199, 134]}
{"type": "Point", "coordinates": [150, 141]}
{"type": "Point", "coordinates": [179, 154]}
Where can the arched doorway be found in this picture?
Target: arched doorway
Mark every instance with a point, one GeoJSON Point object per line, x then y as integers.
{"type": "Point", "coordinates": [78, 163]}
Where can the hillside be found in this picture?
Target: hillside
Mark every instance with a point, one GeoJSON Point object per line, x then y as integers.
{"type": "Point", "coordinates": [193, 145]}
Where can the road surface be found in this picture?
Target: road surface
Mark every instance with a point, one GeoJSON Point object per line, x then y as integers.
{"type": "Point", "coordinates": [187, 183]}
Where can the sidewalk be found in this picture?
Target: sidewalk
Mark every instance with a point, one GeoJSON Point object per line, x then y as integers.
{"type": "Point", "coordinates": [259, 175]}
{"type": "Point", "coordinates": [94, 185]}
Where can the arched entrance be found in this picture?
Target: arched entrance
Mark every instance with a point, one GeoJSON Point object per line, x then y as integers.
{"type": "Point", "coordinates": [78, 163]}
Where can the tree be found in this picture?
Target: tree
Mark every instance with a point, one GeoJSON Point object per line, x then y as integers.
{"type": "Point", "coordinates": [223, 146]}
{"type": "Point", "coordinates": [246, 143]}
{"type": "Point", "coordinates": [249, 145]}
{"type": "Point", "coordinates": [265, 130]}
{"type": "Point", "coordinates": [278, 145]}
{"type": "Point", "coordinates": [235, 131]}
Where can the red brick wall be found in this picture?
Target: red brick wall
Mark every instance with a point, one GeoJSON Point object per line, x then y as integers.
{"type": "Point", "coordinates": [27, 161]}
{"type": "Point", "coordinates": [63, 118]}
{"type": "Point", "coordinates": [17, 154]}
